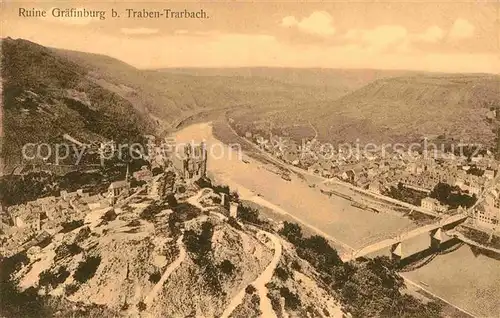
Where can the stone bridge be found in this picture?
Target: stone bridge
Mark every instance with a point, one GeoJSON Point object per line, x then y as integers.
{"type": "Point", "coordinates": [411, 242]}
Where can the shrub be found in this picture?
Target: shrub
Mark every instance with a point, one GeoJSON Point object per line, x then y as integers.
{"type": "Point", "coordinates": [109, 216]}
{"type": "Point", "coordinates": [211, 276]}
{"type": "Point", "coordinates": [255, 300]}
{"type": "Point", "coordinates": [134, 223]}
{"type": "Point", "coordinates": [74, 249]}
{"type": "Point", "coordinates": [171, 200]}
{"type": "Point", "coordinates": [319, 253]}
{"type": "Point", "coordinates": [181, 213]}
{"type": "Point", "coordinates": [141, 306]}
{"type": "Point", "coordinates": [45, 241]}
{"type": "Point", "coordinates": [282, 273]}
{"type": "Point", "coordinates": [221, 189]}
{"type": "Point", "coordinates": [86, 269]}
{"type": "Point", "coordinates": [201, 244]}
{"type": "Point", "coordinates": [248, 214]}
{"type": "Point", "coordinates": [155, 277]}
{"type": "Point", "coordinates": [83, 234]}
{"type": "Point", "coordinates": [12, 264]}
{"type": "Point", "coordinates": [187, 211]}
{"type": "Point", "coordinates": [250, 289]}
{"type": "Point", "coordinates": [292, 301]}
{"type": "Point", "coordinates": [47, 278]}
{"type": "Point", "coordinates": [295, 265]}
{"type": "Point", "coordinates": [134, 183]}
{"type": "Point", "coordinates": [292, 232]}
{"type": "Point", "coordinates": [70, 289]}
{"type": "Point", "coordinates": [204, 183]}
{"type": "Point", "coordinates": [234, 196]}
{"type": "Point", "coordinates": [150, 211]}
{"type": "Point", "coordinates": [125, 306]}
{"type": "Point", "coordinates": [64, 250]}
{"type": "Point", "coordinates": [71, 225]}
{"type": "Point", "coordinates": [227, 267]}
{"type": "Point", "coordinates": [157, 170]}
{"type": "Point", "coordinates": [26, 304]}
{"type": "Point", "coordinates": [232, 222]}
{"type": "Point", "coordinates": [275, 302]}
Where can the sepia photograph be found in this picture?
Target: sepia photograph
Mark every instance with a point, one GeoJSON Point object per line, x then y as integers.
{"type": "Point", "coordinates": [245, 159]}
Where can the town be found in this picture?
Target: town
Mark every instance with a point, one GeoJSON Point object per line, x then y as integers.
{"type": "Point", "coordinates": [161, 177]}
{"type": "Point", "coordinates": [438, 181]}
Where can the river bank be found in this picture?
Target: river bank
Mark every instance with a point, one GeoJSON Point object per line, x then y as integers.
{"type": "Point", "coordinates": [457, 277]}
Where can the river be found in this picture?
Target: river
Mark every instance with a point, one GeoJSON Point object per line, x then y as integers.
{"type": "Point", "coordinates": [471, 282]}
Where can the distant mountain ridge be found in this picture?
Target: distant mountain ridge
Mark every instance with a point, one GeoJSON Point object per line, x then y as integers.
{"type": "Point", "coordinates": [400, 109]}
{"type": "Point", "coordinates": [337, 82]}
{"type": "Point", "coordinates": [170, 95]}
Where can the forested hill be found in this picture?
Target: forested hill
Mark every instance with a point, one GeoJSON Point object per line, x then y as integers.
{"type": "Point", "coordinates": [46, 95]}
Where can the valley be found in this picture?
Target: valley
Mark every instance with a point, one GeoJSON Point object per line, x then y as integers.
{"type": "Point", "coordinates": [245, 230]}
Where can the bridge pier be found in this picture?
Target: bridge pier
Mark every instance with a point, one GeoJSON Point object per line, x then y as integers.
{"type": "Point", "coordinates": [436, 238]}
{"type": "Point", "coordinates": [397, 252]}
{"type": "Point", "coordinates": [416, 241]}
{"type": "Point", "coordinates": [439, 237]}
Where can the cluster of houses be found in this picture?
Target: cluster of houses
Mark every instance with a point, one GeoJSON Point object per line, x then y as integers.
{"type": "Point", "coordinates": [427, 176]}
{"type": "Point", "coordinates": [188, 167]}
{"type": "Point", "coordinates": [32, 218]}
{"type": "Point", "coordinates": [378, 171]}
{"type": "Point", "coordinates": [487, 214]}
{"type": "Point", "coordinates": [433, 204]}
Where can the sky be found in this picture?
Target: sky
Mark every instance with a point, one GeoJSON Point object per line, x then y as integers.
{"type": "Point", "coordinates": [439, 36]}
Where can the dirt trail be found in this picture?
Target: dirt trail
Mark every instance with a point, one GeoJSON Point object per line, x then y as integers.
{"type": "Point", "coordinates": [170, 269]}
{"type": "Point", "coordinates": [265, 303]}
{"type": "Point", "coordinates": [260, 283]}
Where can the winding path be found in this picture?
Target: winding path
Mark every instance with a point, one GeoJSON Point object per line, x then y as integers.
{"type": "Point", "coordinates": [266, 307]}
{"type": "Point", "coordinates": [170, 269]}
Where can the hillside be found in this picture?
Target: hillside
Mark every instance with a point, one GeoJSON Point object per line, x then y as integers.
{"type": "Point", "coordinates": [171, 96]}
{"type": "Point", "coordinates": [48, 92]}
{"type": "Point", "coordinates": [402, 109]}
{"type": "Point", "coordinates": [188, 258]}
{"type": "Point", "coordinates": [46, 96]}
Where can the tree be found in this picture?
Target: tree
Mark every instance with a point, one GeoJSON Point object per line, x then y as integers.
{"type": "Point", "coordinates": [452, 196]}
{"type": "Point", "coordinates": [248, 214]}
{"type": "Point", "coordinates": [234, 196]}
{"type": "Point", "coordinates": [87, 268]}
{"type": "Point", "coordinates": [227, 267]}
{"type": "Point", "coordinates": [320, 250]}
{"type": "Point", "coordinates": [292, 232]}
{"type": "Point", "coordinates": [171, 200]}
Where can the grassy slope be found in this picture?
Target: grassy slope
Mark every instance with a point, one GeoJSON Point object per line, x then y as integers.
{"type": "Point", "coordinates": [171, 95]}
{"type": "Point", "coordinates": [45, 95]}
